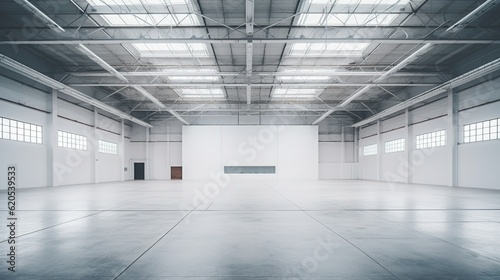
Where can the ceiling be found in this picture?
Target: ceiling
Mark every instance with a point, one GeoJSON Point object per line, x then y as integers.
{"type": "Point", "coordinates": [193, 60]}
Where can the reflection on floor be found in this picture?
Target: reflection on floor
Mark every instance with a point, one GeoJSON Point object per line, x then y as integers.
{"type": "Point", "coordinates": [255, 230]}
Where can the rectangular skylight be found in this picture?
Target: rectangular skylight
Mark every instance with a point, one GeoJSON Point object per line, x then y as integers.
{"type": "Point", "coordinates": [358, 2]}
{"type": "Point", "coordinates": [152, 20]}
{"type": "Point", "coordinates": [200, 92]}
{"type": "Point", "coordinates": [336, 19]}
{"type": "Point", "coordinates": [198, 75]}
{"type": "Point", "coordinates": [172, 49]}
{"type": "Point", "coordinates": [328, 49]}
{"type": "Point", "coordinates": [111, 3]}
{"type": "Point", "coordinates": [301, 75]}
{"type": "Point", "coordinates": [296, 92]}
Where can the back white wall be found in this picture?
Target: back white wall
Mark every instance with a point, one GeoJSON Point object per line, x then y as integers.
{"type": "Point", "coordinates": [292, 149]}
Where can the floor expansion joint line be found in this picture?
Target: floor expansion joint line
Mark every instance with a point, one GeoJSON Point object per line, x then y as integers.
{"type": "Point", "coordinates": [38, 230]}
{"type": "Point", "coordinates": [336, 233]}
{"type": "Point", "coordinates": [434, 237]}
{"type": "Point", "coordinates": [156, 242]}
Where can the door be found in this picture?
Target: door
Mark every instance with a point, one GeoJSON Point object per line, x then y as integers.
{"type": "Point", "coordinates": [176, 172]}
{"type": "Point", "coordinates": [138, 170]}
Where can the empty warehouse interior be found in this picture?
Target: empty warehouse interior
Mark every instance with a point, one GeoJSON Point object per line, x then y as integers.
{"type": "Point", "coordinates": [249, 139]}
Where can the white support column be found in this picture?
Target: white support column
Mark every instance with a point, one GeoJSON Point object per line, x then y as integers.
{"type": "Point", "coordinates": [381, 150]}
{"type": "Point", "coordinates": [122, 149]}
{"type": "Point", "coordinates": [147, 165]}
{"type": "Point", "coordinates": [453, 136]}
{"type": "Point", "coordinates": [52, 140]}
{"type": "Point", "coordinates": [356, 153]}
{"type": "Point", "coordinates": [93, 152]}
{"type": "Point", "coordinates": [342, 156]}
{"type": "Point", "coordinates": [409, 147]}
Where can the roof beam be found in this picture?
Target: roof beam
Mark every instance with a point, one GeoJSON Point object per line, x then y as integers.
{"type": "Point", "coordinates": [470, 76]}
{"type": "Point", "coordinates": [414, 56]}
{"type": "Point", "coordinates": [30, 73]}
{"type": "Point", "coordinates": [250, 9]}
{"type": "Point", "coordinates": [253, 40]}
{"type": "Point", "coordinates": [479, 11]}
{"type": "Point", "coordinates": [39, 14]}
{"type": "Point", "coordinates": [177, 116]}
{"type": "Point", "coordinates": [216, 74]}
{"type": "Point", "coordinates": [298, 85]}
{"type": "Point", "coordinates": [117, 74]}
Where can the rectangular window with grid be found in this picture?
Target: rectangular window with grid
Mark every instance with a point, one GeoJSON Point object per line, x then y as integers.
{"type": "Point", "coordinates": [393, 146]}
{"type": "Point", "coordinates": [370, 150]}
{"type": "Point", "coordinates": [482, 131]}
{"type": "Point", "coordinates": [108, 147]}
{"type": "Point", "coordinates": [20, 131]}
{"type": "Point", "coordinates": [72, 141]}
{"type": "Point", "coordinates": [431, 140]}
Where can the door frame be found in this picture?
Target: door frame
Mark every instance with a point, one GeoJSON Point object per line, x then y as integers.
{"type": "Point", "coordinates": [131, 168]}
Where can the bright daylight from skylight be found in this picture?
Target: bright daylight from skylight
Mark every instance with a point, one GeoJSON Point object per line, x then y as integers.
{"type": "Point", "coordinates": [172, 49]}
{"type": "Point", "coordinates": [310, 19]}
{"type": "Point", "coordinates": [301, 75]}
{"type": "Point", "coordinates": [197, 75]}
{"type": "Point", "coordinates": [152, 19]}
{"type": "Point", "coordinates": [328, 49]}
{"type": "Point", "coordinates": [296, 92]}
{"type": "Point", "coordinates": [111, 3]}
{"type": "Point", "coordinates": [358, 2]}
{"type": "Point", "coordinates": [200, 92]}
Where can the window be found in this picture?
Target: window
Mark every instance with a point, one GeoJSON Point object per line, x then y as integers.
{"type": "Point", "coordinates": [172, 49]}
{"type": "Point", "coordinates": [70, 140]}
{"type": "Point", "coordinates": [20, 131]}
{"type": "Point", "coordinates": [430, 140]}
{"type": "Point", "coordinates": [370, 150]}
{"type": "Point", "coordinates": [395, 146]}
{"type": "Point", "coordinates": [108, 147]}
{"type": "Point", "coordinates": [482, 131]}
{"type": "Point", "coordinates": [328, 49]}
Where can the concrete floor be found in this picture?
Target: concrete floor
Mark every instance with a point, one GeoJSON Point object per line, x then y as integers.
{"type": "Point", "coordinates": [255, 230]}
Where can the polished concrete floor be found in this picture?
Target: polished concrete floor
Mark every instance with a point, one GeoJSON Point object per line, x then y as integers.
{"type": "Point", "coordinates": [255, 230]}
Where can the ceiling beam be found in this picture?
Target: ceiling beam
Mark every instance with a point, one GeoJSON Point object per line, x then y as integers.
{"type": "Point", "coordinates": [249, 10]}
{"type": "Point", "coordinates": [297, 85]}
{"type": "Point", "coordinates": [30, 73]}
{"type": "Point", "coordinates": [177, 116]}
{"type": "Point", "coordinates": [412, 57]}
{"type": "Point", "coordinates": [253, 40]}
{"type": "Point", "coordinates": [479, 11]}
{"type": "Point", "coordinates": [39, 14]}
{"type": "Point", "coordinates": [174, 73]}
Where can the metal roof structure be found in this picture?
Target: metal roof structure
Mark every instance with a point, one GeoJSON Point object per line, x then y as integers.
{"type": "Point", "coordinates": [311, 61]}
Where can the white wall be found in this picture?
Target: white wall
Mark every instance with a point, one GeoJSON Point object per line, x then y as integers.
{"type": "Point", "coordinates": [334, 165]}
{"type": "Point", "coordinates": [31, 159]}
{"type": "Point", "coordinates": [477, 163]}
{"type": "Point", "coordinates": [70, 166]}
{"type": "Point", "coordinates": [292, 149]}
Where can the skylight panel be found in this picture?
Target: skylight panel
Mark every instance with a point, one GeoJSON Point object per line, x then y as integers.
{"type": "Point", "coordinates": [172, 49]}
{"type": "Point", "coordinates": [111, 3]}
{"type": "Point", "coordinates": [328, 49]}
{"type": "Point", "coordinates": [152, 20]}
{"type": "Point", "coordinates": [296, 92]}
{"type": "Point", "coordinates": [199, 75]}
{"type": "Point", "coordinates": [358, 2]}
{"type": "Point", "coordinates": [200, 92]}
{"type": "Point", "coordinates": [301, 75]}
{"type": "Point", "coordinates": [310, 19]}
